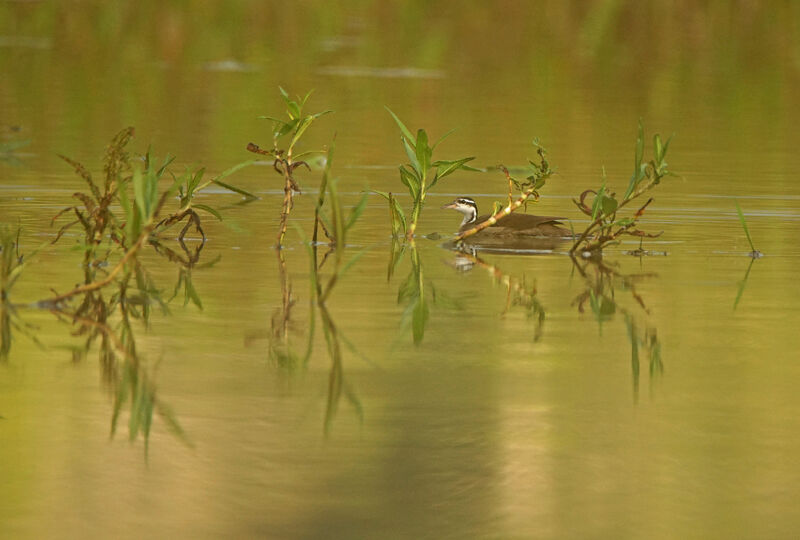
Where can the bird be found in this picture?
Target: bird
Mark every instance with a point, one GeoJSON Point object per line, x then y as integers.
{"type": "Point", "coordinates": [515, 226]}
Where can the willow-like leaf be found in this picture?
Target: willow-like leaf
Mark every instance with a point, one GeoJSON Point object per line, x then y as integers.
{"type": "Point", "coordinates": [408, 135]}
{"type": "Point", "coordinates": [208, 209]}
{"type": "Point", "coordinates": [235, 189]}
{"type": "Point", "coordinates": [744, 226]}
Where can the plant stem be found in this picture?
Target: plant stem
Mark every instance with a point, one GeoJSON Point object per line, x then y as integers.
{"type": "Point", "coordinates": [288, 202]}
{"type": "Point", "coordinates": [88, 287]}
{"type": "Point", "coordinates": [499, 215]}
{"type": "Point", "coordinates": [601, 217]}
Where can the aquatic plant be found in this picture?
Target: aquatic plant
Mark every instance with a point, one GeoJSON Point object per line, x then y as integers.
{"type": "Point", "coordinates": [527, 188]}
{"type": "Point", "coordinates": [285, 160]}
{"type": "Point", "coordinates": [189, 184]}
{"type": "Point", "coordinates": [140, 210]}
{"type": "Point", "coordinates": [754, 253]}
{"type": "Point", "coordinates": [420, 175]}
{"type": "Point", "coordinates": [607, 226]}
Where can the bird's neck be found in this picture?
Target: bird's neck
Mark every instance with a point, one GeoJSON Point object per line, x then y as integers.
{"type": "Point", "coordinates": [470, 215]}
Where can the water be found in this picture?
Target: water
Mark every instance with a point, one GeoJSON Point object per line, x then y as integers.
{"type": "Point", "coordinates": [521, 413]}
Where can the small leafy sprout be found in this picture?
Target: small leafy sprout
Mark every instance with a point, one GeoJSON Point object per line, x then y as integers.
{"type": "Point", "coordinates": [419, 175]}
{"type": "Point", "coordinates": [189, 184]}
{"type": "Point", "coordinates": [754, 253]}
{"type": "Point", "coordinates": [528, 188]}
{"type": "Point", "coordinates": [605, 227]}
{"type": "Point", "coordinates": [285, 161]}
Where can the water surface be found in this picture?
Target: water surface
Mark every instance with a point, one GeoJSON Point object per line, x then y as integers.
{"type": "Point", "coordinates": [521, 412]}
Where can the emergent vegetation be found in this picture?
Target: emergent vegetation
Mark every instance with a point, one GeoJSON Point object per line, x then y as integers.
{"type": "Point", "coordinates": [606, 226]}
{"type": "Point", "coordinates": [285, 161]}
{"type": "Point", "coordinates": [419, 176]}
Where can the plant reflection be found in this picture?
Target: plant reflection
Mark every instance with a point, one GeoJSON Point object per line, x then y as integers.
{"type": "Point", "coordinates": [743, 283]}
{"type": "Point", "coordinates": [602, 282]}
{"type": "Point", "coordinates": [12, 264]}
{"type": "Point", "coordinates": [415, 293]}
{"type": "Point", "coordinates": [119, 214]}
{"type": "Point", "coordinates": [330, 216]}
{"type": "Point", "coordinates": [518, 292]}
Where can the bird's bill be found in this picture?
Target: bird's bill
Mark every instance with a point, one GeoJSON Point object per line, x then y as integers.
{"type": "Point", "coordinates": [449, 205]}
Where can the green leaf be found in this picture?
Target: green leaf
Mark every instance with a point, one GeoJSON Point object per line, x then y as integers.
{"type": "Point", "coordinates": [301, 128]}
{"type": "Point", "coordinates": [398, 214]}
{"type": "Point", "coordinates": [410, 180]}
{"type": "Point", "coordinates": [337, 216]}
{"type": "Point", "coordinates": [412, 156]}
{"type": "Point", "coordinates": [293, 110]}
{"type": "Point", "coordinates": [625, 222]}
{"type": "Point", "coordinates": [440, 139]}
{"type": "Point", "coordinates": [192, 293]}
{"type": "Point", "coordinates": [445, 168]}
{"type": "Point", "coordinates": [419, 319]}
{"type": "Point", "coordinates": [271, 118]}
{"type": "Point", "coordinates": [193, 181]}
{"type": "Point", "coordinates": [744, 225]}
{"type": "Point", "coordinates": [598, 201]}
{"type": "Point", "coordinates": [402, 126]}
{"type": "Point", "coordinates": [209, 210]}
{"type": "Point", "coordinates": [349, 264]}
{"type": "Point", "coordinates": [305, 98]}
{"type": "Point", "coordinates": [423, 153]}
{"type": "Point", "coordinates": [235, 189]}
{"type": "Point", "coordinates": [139, 192]}
{"type": "Point", "coordinates": [657, 147]}
{"type": "Point", "coordinates": [284, 129]}
{"type": "Point", "coordinates": [638, 173]}
{"type": "Point", "coordinates": [356, 211]}
{"type": "Point", "coordinates": [167, 160]}
{"type": "Point", "coordinates": [284, 93]}
{"type": "Point", "coordinates": [227, 172]}
{"type": "Point", "coordinates": [609, 205]}
{"type": "Point", "coordinates": [323, 113]}
{"type": "Point", "coordinates": [664, 149]}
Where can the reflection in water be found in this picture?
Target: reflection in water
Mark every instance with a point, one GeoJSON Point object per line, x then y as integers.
{"type": "Point", "coordinates": [12, 263]}
{"type": "Point", "coordinates": [107, 321]}
{"type": "Point", "coordinates": [336, 226]}
{"type": "Point", "coordinates": [518, 292]}
{"type": "Point", "coordinates": [602, 283]}
{"type": "Point", "coordinates": [743, 283]}
{"type": "Point", "coordinates": [414, 291]}
{"type": "Point", "coordinates": [185, 263]}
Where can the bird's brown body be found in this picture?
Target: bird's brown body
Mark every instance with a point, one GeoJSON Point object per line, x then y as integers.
{"type": "Point", "coordinates": [516, 231]}
{"type": "Point", "coordinates": [516, 224]}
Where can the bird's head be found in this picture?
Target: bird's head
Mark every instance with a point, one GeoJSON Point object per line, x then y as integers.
{"type": "Point", "coordinates": [466, 206]}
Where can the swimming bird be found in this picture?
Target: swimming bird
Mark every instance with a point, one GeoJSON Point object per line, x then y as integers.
{"type": "Point", "coordinates": [513, 226]}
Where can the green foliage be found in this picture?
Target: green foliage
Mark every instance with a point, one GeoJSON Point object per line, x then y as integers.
{"type": "Point", "coordinates": [189, 184]}
{"type": "Point", "coordinates": [296, 125]}
{"type": "Point", "coordinates": [285, 160]}
{"type": "Point", "coordinates": [419, 175]}
{"type": "Point", "coordinates": [754, 252]}
{"type": "Point", "coordinates": [606, 225]}
{"type": "Point", "coordinates": [528, 189]}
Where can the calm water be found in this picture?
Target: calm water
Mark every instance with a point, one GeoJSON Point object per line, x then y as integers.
{"type": "Point", "coordinates": [521, 413]}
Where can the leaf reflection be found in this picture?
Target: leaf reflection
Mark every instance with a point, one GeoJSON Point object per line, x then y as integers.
{"type": "Point", "coordinates": [602, 284]}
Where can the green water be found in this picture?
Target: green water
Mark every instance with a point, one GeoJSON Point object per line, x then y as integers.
{"type": "Point", "coordinates": [521, 413]}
